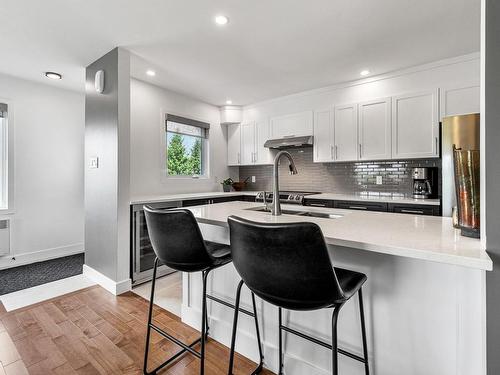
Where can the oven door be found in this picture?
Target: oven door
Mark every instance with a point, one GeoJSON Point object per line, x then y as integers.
{"type": "Point", "coordinates": [142, 254]}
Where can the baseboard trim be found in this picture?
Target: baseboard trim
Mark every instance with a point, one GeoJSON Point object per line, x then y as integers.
{"type": "Point", "coordinates": [110, 285]}
{"type": "Point", "coordinates": [15, 260]}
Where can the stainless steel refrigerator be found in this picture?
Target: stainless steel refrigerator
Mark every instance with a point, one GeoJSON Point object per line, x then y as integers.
{"type": "Point", "coordinates": [463, 132]}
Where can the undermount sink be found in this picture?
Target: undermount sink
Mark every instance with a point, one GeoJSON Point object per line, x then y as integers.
{"type": "Point", "coordinates": [323, 215]}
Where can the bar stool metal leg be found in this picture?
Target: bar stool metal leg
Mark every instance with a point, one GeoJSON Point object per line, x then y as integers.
{"type": "Point", "coordinates": [261, 356]}
{"type": "Point", "coordinates": [235, 325]}
{"type": "Point", "coordinates": [335, 316]}
{"type": "Point", "coordinates": [150, 315]}
{"type": "Point", "coordinates": [204, 322]}
{"type": "Point", "coordinates": [363, 331]}
{"type": "Point", "coordinates": [237, 309]}
{"type": "Point", "coordinates": [185, 348]}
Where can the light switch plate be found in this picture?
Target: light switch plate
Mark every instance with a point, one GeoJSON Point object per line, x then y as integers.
{"type": "Point", "coordinates": [379, 180]}
{"type": "Point", "coordinates": [94, 162]}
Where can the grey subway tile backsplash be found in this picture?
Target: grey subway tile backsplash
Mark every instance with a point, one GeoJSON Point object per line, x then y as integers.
{"type": "Point", "coordinates": [345, 178]}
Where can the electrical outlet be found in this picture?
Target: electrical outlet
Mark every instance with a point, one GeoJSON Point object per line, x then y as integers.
{"type": "Point", "coordinates": [253, 179]}
{"type": "Point", "coordinates": [379, 180]}
{"type": "Point", "coordinates": [94, 162]}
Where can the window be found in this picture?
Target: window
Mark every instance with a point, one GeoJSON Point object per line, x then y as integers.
{"type": "Point", "coordinates": [187, 145]}
{"type": "Point", "coordinates": [4, 172]}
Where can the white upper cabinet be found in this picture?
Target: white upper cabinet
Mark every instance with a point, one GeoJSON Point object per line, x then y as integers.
{"type": "Point", "coordinates": [292, 125]}
{"type": "Point", "coordinates": [233, 144]}
{"type": "Point", "coordinates": [346, 133]}
{"type": "Point", "coordinates": [263, 155]}
{"type": "Point", "coordinates": [247, 143]}
{"type": "Point", "coordinates": [459, 101]}
{"type": "Point", "coordinates": [415, 127]}
{"type": "Point", "coordinates": [375, 129]}
{"type": "Point", "coordinates": [323, 136]}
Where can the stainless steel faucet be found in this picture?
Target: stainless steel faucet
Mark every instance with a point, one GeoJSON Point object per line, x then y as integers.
{"type": "Point", "coordinates": [276, 208]}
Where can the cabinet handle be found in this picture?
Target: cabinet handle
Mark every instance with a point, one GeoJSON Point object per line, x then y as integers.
{"type": "Point", "coordinates": [412, 211]}
{"type": "Point", "coordinates": [360, 151]}
{"type": "Point", "coordinates": [357, 207]}
{"type": "Point", "coordinates": [331, 152]}
{"type": "Point", "coordinates": [239, 158]}
{"type": "Point", "coordinates": [317, 204]}
{"type": "Point", "coordinates": [437, 146]}
{"type": "Point", "coordinates": [336, 152]}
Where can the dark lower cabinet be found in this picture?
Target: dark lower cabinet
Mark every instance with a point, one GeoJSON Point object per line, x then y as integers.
{"type": "Point", "coordinates": [247, 198]}
{"type": "Point", "coordinates": [414, 209]}
{"type": "Point", "coordinates": [362, 206]}
{"type": "Point", "coordinates": [318, 203]}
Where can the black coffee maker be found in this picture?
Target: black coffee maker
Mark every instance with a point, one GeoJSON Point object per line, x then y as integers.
{"type": "Point", "coordinates": [424, 182]}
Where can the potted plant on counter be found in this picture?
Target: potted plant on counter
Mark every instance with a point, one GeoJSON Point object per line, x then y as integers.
{"type": "Point", "coordinates": [240, 185]}
{"type": "Point", "coordinates": [226, 184]}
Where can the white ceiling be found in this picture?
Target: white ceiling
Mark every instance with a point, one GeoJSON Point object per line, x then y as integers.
{"type": "Point", "coordinates": [269, 48]}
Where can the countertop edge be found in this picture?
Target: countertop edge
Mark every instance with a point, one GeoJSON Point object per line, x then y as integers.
{"type": "Point", "coordinates": [483, 264]}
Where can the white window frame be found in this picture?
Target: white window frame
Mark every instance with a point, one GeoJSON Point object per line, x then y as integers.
{"type": "Point", "coordinates": [163, 147]}
{"type": "Point", "coordinates": [8, 158]}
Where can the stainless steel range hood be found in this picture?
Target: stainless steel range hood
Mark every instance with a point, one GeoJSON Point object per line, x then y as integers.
{"type": "Point", "coordinates": [290, 142]}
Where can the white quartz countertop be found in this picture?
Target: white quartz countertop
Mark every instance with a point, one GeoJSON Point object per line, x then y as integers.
{"type": "Point", "coordinates": [186, 196]}
{"type": "Point", "coordinates": [374, 198]}
{"type": "Point", "coordinates": [430, 238]}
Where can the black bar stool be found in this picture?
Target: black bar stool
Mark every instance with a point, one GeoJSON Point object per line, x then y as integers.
{"type": "Point", "coordinates": [288, 266]}
{"type": "Point", "coordinates": [178, 243]}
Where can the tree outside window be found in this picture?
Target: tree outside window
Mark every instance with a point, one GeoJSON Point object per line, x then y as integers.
{"type": "Point", "coordinates": [185, 150]}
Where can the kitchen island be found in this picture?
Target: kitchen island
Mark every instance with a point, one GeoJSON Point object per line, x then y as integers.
{"type": "Point", "coordinates": [424, 298]}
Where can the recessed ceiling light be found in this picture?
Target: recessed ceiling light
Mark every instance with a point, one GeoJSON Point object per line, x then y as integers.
{"type": "Point", "coordinates": [364, 72]}
{"type": "Point", "coordinates": [229, 102]}
{"type": "Point", "coordinates": [221, 20]}
{"type": "Point", "coordinates": [53, 75]}
{"type": "Point", "coordinates": [151, 73]}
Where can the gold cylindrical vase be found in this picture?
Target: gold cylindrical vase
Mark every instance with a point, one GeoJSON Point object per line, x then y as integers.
{"type": "Point", "coordinates": [466, 165]}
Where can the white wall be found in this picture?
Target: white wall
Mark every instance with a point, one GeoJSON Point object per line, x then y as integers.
{"type": "Point", "coordinates": [461, 71]}
{"type": "Point", "coordinates": [48, 149]}
{"type": "Point", "coordinates": [147, 175]}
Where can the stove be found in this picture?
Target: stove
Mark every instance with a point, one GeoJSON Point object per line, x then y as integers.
{"type": "Point", "coordinates": [287, 197]}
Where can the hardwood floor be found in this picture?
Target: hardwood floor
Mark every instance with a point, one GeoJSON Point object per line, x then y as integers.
{"type": "Point", "coordinates": [94, 332]}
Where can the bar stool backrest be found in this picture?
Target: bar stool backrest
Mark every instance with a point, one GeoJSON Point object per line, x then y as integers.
{"type": "Point", "coordinates": [285, 264]}
{"type": "Point", "coordinates": [176, 239]}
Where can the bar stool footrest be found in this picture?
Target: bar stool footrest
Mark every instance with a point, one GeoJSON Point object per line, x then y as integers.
{"type": "Point", "coordinates": [185, 347]}
{"type": "Point", "coordinates": [322, 343]}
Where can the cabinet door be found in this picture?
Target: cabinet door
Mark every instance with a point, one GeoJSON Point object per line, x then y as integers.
{"type": "Point", "coordinates": [323, 136]}
{"type": "Point", "coordinates": [415, 130]}
{"type": "Point", "coordinates": [346, 133]}
{"type": "Point", "coordinates": [262, 134]}
{"type": "Point", "coordinates": [361, 206]}
{"type": "Point", "coordinates": [414, 209]}
{"type": "Point", "coordinates": [247, 143]}
{"type": "Point", "coordinates": [459, 101]}
{"type": "Point", "coordinates": [375, 129]}
{"type": "Point", "coordinates": [233, 144]}
{"type": "Point", "coordinates": [292, 125]}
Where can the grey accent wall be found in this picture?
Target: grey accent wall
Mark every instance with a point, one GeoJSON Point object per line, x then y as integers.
{"type": "Point", "coordinates": [107, 136]}
{"type": "Point", "coordinates": [491, 117]}
{"type": "Point", "coordinates": [353, 177]}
